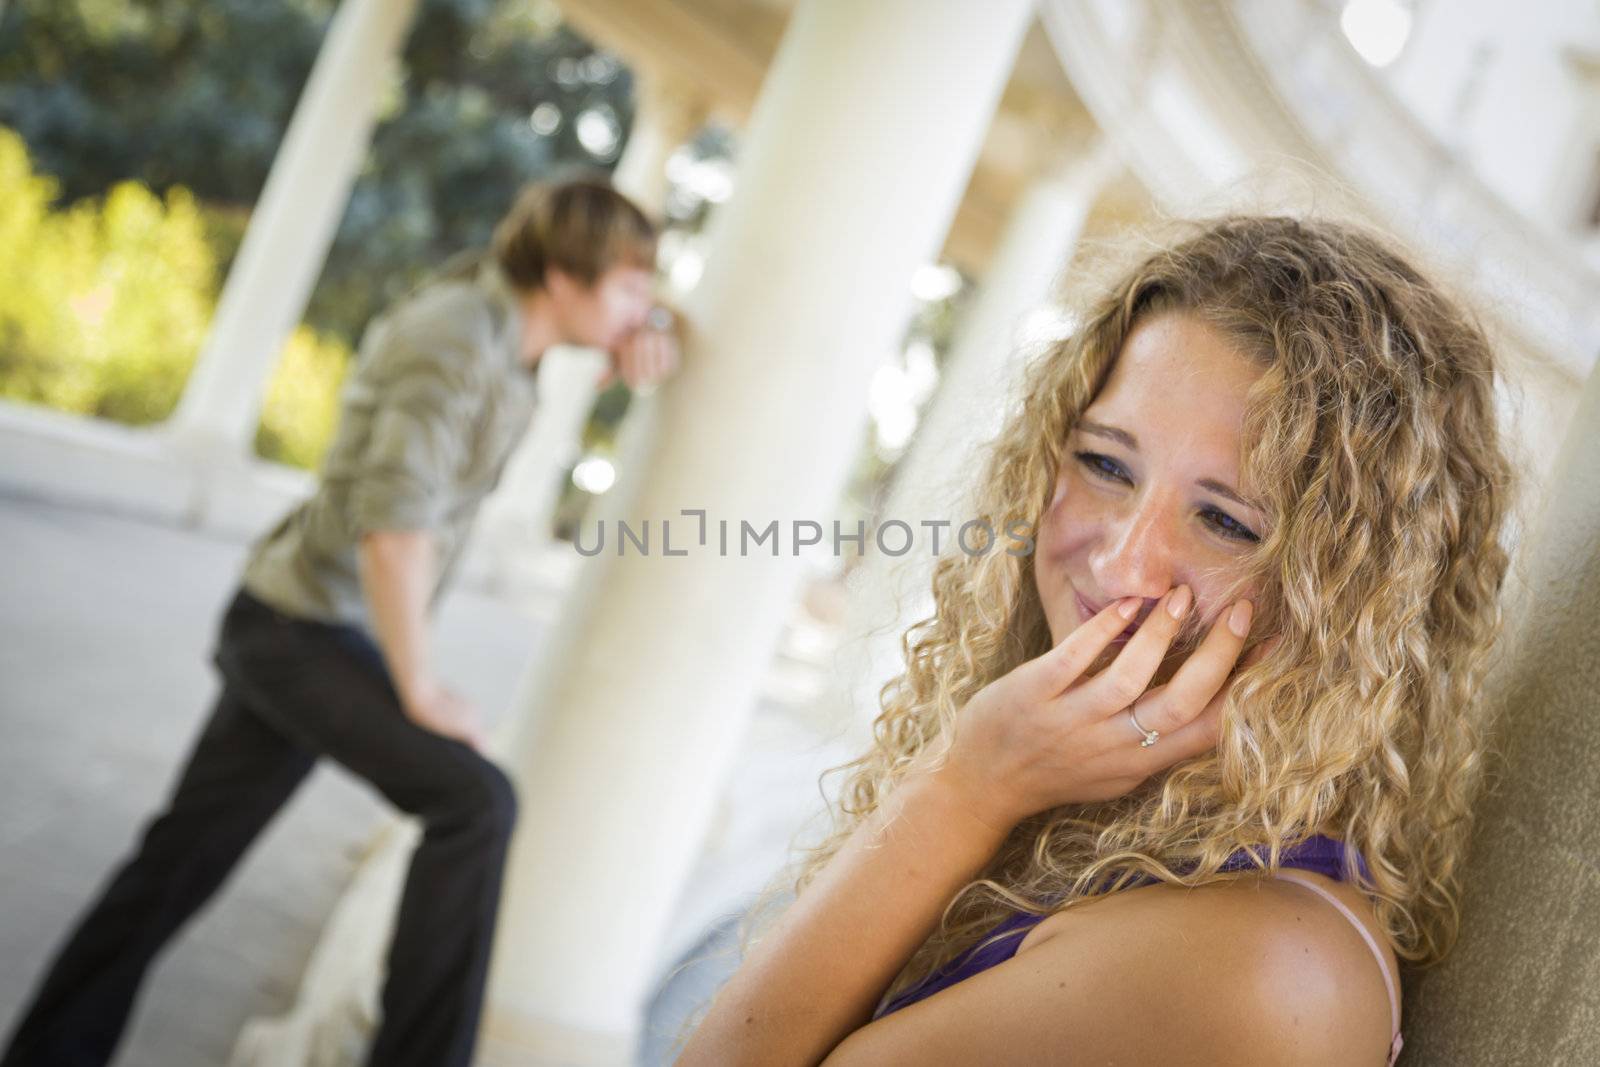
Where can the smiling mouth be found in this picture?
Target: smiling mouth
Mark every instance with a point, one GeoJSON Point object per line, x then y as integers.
{"type": "Point", "coordinates": [1089, 611]}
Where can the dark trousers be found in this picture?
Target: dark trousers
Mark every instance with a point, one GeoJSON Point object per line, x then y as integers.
{"type": "Point", "coordinates": [294, 690]}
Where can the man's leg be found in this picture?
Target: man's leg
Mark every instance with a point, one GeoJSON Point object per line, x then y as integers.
{"type": "Point", "coordinates": [239, 774]}
{"type": "Point", "coordinates": [327, 686]}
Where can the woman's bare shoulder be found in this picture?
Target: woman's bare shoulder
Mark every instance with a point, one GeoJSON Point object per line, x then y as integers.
{"type": "Point", "coordinates": [1293, 967]}
{"type": "Point", "coordinates": [1246, 971]}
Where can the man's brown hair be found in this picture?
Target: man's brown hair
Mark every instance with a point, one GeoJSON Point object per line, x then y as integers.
{"type": "Point", "coordinates": [581, 226]}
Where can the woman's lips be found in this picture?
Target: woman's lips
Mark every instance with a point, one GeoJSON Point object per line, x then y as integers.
{"type": "Point", "coordinates": [1089, 611]}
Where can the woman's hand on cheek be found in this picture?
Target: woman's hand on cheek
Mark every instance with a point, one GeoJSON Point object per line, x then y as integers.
{"type": "Point", "coordinates": [1048, 734]}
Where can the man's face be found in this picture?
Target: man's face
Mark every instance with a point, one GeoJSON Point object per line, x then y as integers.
{"type": "Point", "coordinates": [1143, 500]}
{"type": "Point", "coordinates": [603, 315]}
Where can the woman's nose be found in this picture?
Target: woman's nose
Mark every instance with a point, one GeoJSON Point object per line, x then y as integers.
{"type": "Point", "coordinates": [1137, 556]}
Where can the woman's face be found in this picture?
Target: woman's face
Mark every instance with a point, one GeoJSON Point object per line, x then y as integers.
{"type": "Point", "coordinates": [1148, 495]}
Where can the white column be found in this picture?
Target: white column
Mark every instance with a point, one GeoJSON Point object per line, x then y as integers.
{"type": "Point", "coordinates": [856, 156]}
{"type": "Point", "coordinates": [886, 594]}
{"type": "Point", "coordinates": [665, 116]}
{"type": "Point", "coordinates": [291, 228]}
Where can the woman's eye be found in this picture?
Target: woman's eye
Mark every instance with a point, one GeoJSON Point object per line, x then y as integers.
{"type": "Point", "coordinates": [1107, 469]}
{"type": "Point", "coordinates": [1228, 526]}
{"type": "Point", "coordinates": [1102, 467]}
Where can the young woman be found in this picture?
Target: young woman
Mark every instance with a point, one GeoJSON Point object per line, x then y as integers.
{"type": "Point", "coordinates": [1185, 783]}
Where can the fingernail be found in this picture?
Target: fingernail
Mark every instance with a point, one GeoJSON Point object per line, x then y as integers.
{"type": "Point", "coordinates": [1129, 607]}
{"type": "Point", "coordinates": [1239, 618]}
{"type": "Point", "coordinates": [1179, 603]}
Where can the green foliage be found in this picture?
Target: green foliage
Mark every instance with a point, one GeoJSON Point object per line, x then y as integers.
{"type": "Point", "coordinates": [301, 409]}
{"type": "Point", "coordinates": [160, 91]}
{"type": "Point", "coordinates": [198, 93]}
{"type": "Point", "coordinates": [104, 306]}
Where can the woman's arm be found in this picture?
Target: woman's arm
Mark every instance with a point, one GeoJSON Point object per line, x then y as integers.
{"type": "Point", "coordinates": [817, 976]}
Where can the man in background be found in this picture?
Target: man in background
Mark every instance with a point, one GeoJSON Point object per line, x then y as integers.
{"type": "Point", "coordinates": [324, 649]}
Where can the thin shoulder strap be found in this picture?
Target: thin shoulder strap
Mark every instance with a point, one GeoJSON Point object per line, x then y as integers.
{"type": "Point", "coordinates": [1293, 875]}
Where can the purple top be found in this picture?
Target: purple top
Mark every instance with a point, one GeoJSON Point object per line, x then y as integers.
{"type": "Point", "coordinates": [1323, 855]}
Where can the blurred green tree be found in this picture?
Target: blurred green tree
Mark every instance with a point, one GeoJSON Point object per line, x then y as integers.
{"type": "Point", "coordinates": [96, 299]}
{"type": "Point", "coordinates": [197, 93]}
{"type": "Point", "coordinates": [103, 304]}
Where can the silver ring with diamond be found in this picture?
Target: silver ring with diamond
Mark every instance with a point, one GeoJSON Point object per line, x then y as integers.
{"type": "Point", "coordinates": [1150, 736]}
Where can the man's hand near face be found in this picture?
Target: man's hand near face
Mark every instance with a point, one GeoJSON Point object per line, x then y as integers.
{"type": "Point", "coordinates": [648, 357]}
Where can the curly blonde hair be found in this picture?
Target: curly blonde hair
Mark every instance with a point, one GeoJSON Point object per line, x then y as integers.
{"type": "Point", "coordinates": [1371, 441]}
